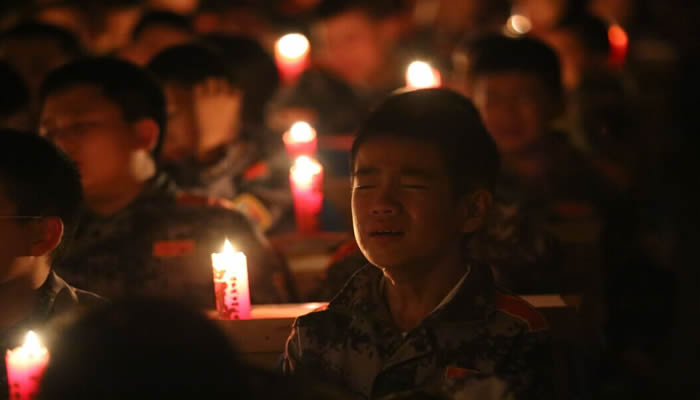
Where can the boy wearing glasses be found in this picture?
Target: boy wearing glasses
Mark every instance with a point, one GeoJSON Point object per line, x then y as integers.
{"type": "Point", "coordinates": [40, 198]}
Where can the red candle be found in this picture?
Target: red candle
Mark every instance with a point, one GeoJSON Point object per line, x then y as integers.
{"type": "Point", "coordinates": [25, 366]}
{"type": "Point", "coordinates": [292, 56]}
{"type": "Point", "coordinates": [300, 140]}
{"type": "Point", "coordinates": [421, 75]}
{"type": "Point", "coordinates": [306, 178]}
{"type": "Point", "coordinates": [231, 286]}
{"type": "Point", "coordinates": [619, 44]}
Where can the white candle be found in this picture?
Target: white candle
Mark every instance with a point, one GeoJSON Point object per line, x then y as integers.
{"type": "Point", "coordinates": [25, 366]}
{"type": "Point", "coordinates": [231, 286]}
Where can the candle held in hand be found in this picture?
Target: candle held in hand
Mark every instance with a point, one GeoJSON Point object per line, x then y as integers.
{"type": "Point", "coordinates": [231, 286]}
{"type": "Point", "coordinates": [292, 55]}
{"type": "Point", "coordinates": [25, 367]}
{"type": "Point", "coordinates": [306, 178]}
{"type": "Point", "coordinates": [300, 139]}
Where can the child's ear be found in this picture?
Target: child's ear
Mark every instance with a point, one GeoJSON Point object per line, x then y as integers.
{"type": "Point", "coordinates": [147, 134]}
{"type": "Point", "coordinates": [475, 208]}
{"type": "Point", "coordinates": [49, 232]}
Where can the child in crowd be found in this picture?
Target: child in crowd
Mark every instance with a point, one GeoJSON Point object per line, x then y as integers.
{"type": "Point", "coordinates": [140, 234]}
{"type": "Point", "coordinates": [40, 199]}
{"type": "Point", "coordinates": [209, 148]}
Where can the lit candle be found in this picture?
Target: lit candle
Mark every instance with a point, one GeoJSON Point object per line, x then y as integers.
{"type": "Point", "coordinates": [231, 283]}
{"type": "Point", "coordinates": [420, 75]}
{"type": "Point", "coordinates": [619, 44]}
{"type": "Point", "coordinates": [300, 139]}
{"type": "Point", "coordinates": [25, 366]}
{"type": "Point", "coordinates": [306, 178]}
{"type": "Point", "coordinates": [292, 55]}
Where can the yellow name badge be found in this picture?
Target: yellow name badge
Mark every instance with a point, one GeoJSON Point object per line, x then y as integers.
{"type": "Point", "coordinates": [173, 248]}
{"type": "Point", "coordinates": [252, 208]}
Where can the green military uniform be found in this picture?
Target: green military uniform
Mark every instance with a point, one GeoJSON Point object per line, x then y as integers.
{"type": "Point", "coordinates": [481, 336]}
{"type": "Point", "coordinates": [161, 245]}
{"type": "Point", "coordinates": [56, 297]}
{"type": "Point", "coordinates": [254, 178]}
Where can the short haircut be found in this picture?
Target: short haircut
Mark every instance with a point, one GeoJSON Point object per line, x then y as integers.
{"type": "Point", "coordinates": [133, 89]}
{"type": "Point", "coordinates": [253, 68]}
{"type": "Point", "coordinates": [446, 120]}
{"type": "Point", "coordinates": [15, 93]}
{"type": "Point", "coordinates": [190, 64]}
{"type": "Point", "coordinates": [373, 8]}
{"type": "Point", "coordinates": [592, 31]}
{"type": "Point", "coordinates": [41, 180]}
{"type": "Point", "coordinates": [163, 18]}
{"type": "Point", "coordinates": [67, 41]}
{"type": "Point", "coordinates": [495, 53]}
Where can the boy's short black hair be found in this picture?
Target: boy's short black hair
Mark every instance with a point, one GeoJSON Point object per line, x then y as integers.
{"type": "Point", "coordinates": [592, 31]}
{"type": "Point", "coordinates": [15, 93]}
{"type": "Point", "coordinates": [498, 54]}
{"type": "Point", "coordinates": [67, 40]}
{"type": "Point", "coordinates": [253, 68]}
{"type": "Point", "coordinates": [133, 89]}
{"type": "Point", "coordinates": [163, 18]}
{"type": "Point", "coordinates": [41, 180]}
{"type": "Point", "coordinates": [190, 64]}
{"type": "Point", "coordinates": [445, 119]}
{"type": "Point", "coordinates": [373, 8]}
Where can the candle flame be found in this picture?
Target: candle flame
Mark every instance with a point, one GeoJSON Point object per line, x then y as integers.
{"type": "Point", "coordinates": [301, 132]}
{"type": "Point", "coordinates": [304, 169]}
{"type": "Point", "coordinates": [617, 36]}
{"type": "Point", "coordinates": [293, 46]}
{"type": "Point", "coordinates": [518, 25]}
{"type": "Point", "coordinates": [421, 75]}
{"type": "Point", "coordinates": [228, 248]}
{"type": "Point", "coordinates": [32, 347]}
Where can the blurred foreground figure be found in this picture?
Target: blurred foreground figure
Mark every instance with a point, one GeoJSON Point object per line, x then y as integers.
{"type": "Point", "coordinates": [423, 316]}
{"type": "Point", "coordinates": [141, 235]}
{"type": "Point", "coordinates": [40, 199]}
{"type": "Point", "coordinates": [143, 349]}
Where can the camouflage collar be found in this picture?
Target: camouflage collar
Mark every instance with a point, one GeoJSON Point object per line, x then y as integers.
{"type": "Point", "coordinates": [473, 301]}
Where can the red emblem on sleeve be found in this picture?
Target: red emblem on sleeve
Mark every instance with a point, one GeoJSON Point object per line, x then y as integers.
{"type": "Point", "coordinates": [522, 310]}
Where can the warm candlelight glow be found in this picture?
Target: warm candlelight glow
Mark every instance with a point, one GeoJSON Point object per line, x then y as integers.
{"type": "Point", "coordinates": [292, 46]}
{"type": "Point", "coordinates": [304, 170]}
{"type": "Point", "coordinates": [619, 44]}
{"type": "Point", "coordinates": [518, 25]}
{"type": "Point", "coordinates": [31, 350]}
{"type": "Point", "coordinates": [617, 36]}
{"type": "Point", "coordinates": [306, 180]}
{"type": "Point", "coordinates": [300, 139]}
{"type": "Point", "coordinates": [302, 132]}
{"type": "Point", "coordinates": [231, 285]}
{"type": "Point", "coordinates": [421, 75]}
{"type": "Point", "coordinates": [25, 366]}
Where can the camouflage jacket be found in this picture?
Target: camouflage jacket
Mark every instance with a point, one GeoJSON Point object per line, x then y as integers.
{"type": "Point", "coordinates": [481, 335]}
{"type": "Point", "coordinates": [161, 245]}
{"type": "Point", "coordinates": [56, 297]}
{"type": "Point", "coordinates": [257, 183]}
